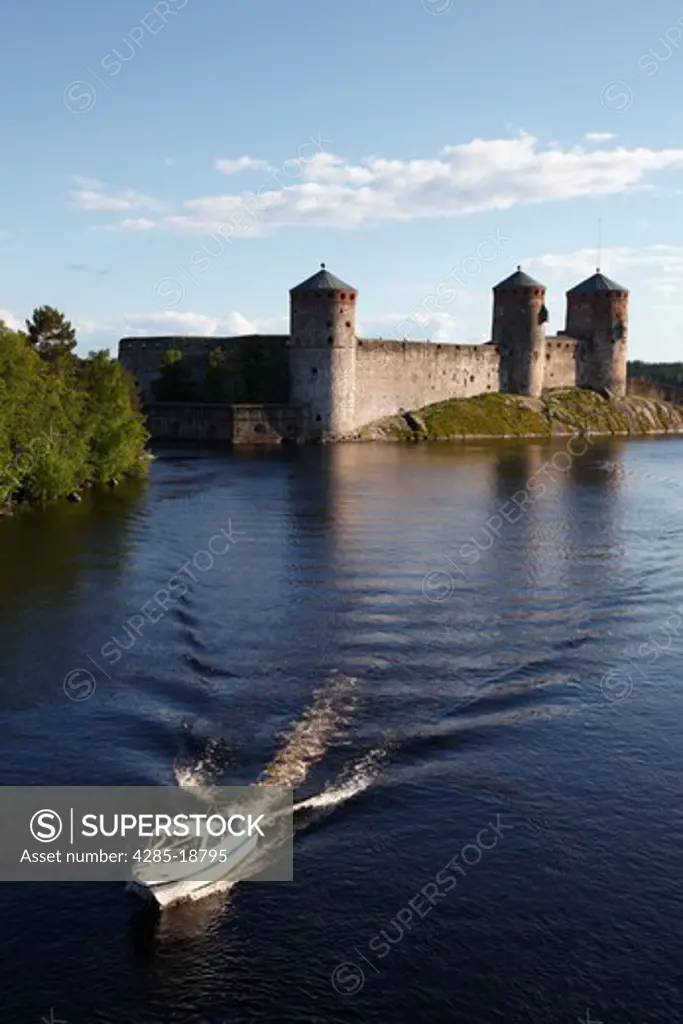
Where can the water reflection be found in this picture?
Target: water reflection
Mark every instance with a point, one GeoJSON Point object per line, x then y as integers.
{"type": "Point", "coordinates": [43, 549]}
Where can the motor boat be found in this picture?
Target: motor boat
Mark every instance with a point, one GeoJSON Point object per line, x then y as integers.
{"type": "Point", "coordinates": [178, 878]}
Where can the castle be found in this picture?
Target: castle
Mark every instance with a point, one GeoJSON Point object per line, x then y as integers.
{"type": "Point", "coordinates": [322, 382]}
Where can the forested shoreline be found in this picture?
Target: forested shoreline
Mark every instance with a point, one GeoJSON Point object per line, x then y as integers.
{"type": "Point", "coordinates": [65, 422]}
{"type": "Point", "coordinates": [670, 374]}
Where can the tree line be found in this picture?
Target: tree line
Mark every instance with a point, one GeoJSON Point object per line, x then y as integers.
{"type": "Point", "coordinates": [65, 421]}
{"type": "Point", "coordinates": [658, 373]}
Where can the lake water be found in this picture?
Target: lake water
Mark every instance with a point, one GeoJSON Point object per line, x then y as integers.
{"type": "Point", "coordinates": [486, 683]}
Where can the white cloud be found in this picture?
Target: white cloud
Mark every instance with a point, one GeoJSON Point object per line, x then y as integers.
{"type": "Point", "coordinates": [89, 194]}
{"type": "Point", "coordinates": [599, 137]}
{"type": "Point", "coordinates": [241, 163]}
{"type": "Point", "coordinates": [11, 321]}
{"type": "Point", "coordinates": [192, 323]}
{"type": "Point", "coordinates": [663, 265]}
{"type": "Point", "coordinates": [80, 181]}
{"type": "Point", "coordinates": [238, 324]}
{"type": "Point", "coordinates": [473, 177]}
{"type": "Point", "coordinates": [177, 322]}
{"type": "Point", "coordinates": [412, 326]}
{"type": "Point", "coordinates": [85, 326]}
{"type": "Point", "coordinates": [136, 224]}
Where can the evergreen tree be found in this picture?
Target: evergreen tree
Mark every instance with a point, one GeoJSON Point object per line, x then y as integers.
{"type": "Point", "coordinates": [50, 333]}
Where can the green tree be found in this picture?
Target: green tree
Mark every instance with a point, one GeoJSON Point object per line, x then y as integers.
{"type": "Point", "coordinates": [174, 383]}
{"type": "Point", "coordinates": [50, 333]}
{"type": "Point", "coordinates": [217, 384]}
{"type": "Point", "coordinates": [63, 421]}
{"type": "Point", "coordinates": [44, 454]}
{"type": "Point", "coordinates": [111, 425]}
{"type": "Point", "coordinates": [658, 373]}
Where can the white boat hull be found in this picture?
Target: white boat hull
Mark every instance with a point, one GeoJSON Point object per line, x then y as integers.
{"type": "Point", "coordinates": [168, 894]}
{"type": "Point", "coordinates": [196, 881]}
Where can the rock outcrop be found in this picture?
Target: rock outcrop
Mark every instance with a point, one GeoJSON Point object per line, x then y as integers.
{"type": "Point", "coordinates": [554, 414]}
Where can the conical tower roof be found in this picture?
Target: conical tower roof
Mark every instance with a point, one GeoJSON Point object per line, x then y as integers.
{"type": "Point", "coordinates": [322, 281]}
{"type": "Point", "coordinates": [597, 283]}
{"type": "Point", "coordinates": [518, 280]}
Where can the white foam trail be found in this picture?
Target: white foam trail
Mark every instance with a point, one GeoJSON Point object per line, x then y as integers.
{"type": "Point", "coordinates": [309, 739]}
{"type": "Point", "coordinates": [189, 776]}
{"type": "Point", "coordinates": [333, 796]}
{"type": "Point", "coordinates": [350, 783]}
{"type": "Point", "coordinates": [199, 776]}
{"type": "Point", "coordinates": [304, 745]}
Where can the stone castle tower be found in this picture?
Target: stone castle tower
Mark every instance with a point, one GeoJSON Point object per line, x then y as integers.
{"type": "Point", "coordinates": [597, 316]}
{"type": "Point", "coordinates": [322, 353]}
{"type": "Point", "coordinates": [519, 318]}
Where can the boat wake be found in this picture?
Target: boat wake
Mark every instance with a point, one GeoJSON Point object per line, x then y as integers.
{"type": "Point", "coordinates": [352, 781]}
{"type": "Point", "coordinates": [303, 745]}
{"type": "Point", "coordinates": [201, 766]}
{"type": "Point", "coordinates": [307, 741]}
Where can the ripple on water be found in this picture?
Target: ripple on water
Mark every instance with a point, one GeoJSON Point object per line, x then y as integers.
{"type": "Point", "coordinates": [407, 724]}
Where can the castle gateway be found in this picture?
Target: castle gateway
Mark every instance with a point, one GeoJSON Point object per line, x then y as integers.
{"type": "Point", "coordinates": [323, 382]}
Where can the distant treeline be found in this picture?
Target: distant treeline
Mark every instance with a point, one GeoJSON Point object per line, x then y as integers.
{"type": "Point", "coordinates": [658, 373]}
{"type": "Point", "coordinates": [64, 421]}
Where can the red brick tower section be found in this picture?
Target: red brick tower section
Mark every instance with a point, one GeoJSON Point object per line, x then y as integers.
{"type": "Point", "coordinates": [322, 355]}
{"type": "Point", "coordinates": [519, 318]}
{"type": "Point", "coordinates": [597, 316]}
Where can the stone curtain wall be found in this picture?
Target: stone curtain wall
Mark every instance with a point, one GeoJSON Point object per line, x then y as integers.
{"type": "Point", "coordinates": [560, 363]}
{"type": "Point", "coordinates": [257, 365]}
{"type": "Point", "coordinates": [408, 375]}
{"type": "Point", "coordinates": [232, 424]}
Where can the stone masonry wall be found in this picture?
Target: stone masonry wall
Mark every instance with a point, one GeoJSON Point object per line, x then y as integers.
{"type": "Point", "coordinates": [394, 375]}
{"type": "Point", "coordinates": [560, 362]}
{"type": "Point", "coordinates": [257, 365]}
{"type": "Point", "coordinates": [234, 424]}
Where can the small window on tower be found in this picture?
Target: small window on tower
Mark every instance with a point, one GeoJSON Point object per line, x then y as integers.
{"type": "Point", "coordinates": [330, 341]}
{"type": "Point", "coordinates": [314, 370]}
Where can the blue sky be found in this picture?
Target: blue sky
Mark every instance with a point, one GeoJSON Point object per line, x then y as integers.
{"type": "Point", "coordinates": [422, 148]}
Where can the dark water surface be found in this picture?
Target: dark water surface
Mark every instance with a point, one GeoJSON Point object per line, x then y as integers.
{"type": "Point", "coordinates": [475, 696]}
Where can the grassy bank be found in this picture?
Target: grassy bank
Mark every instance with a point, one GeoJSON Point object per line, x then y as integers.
{"type": "Point", "coordinates": [567, 411]}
